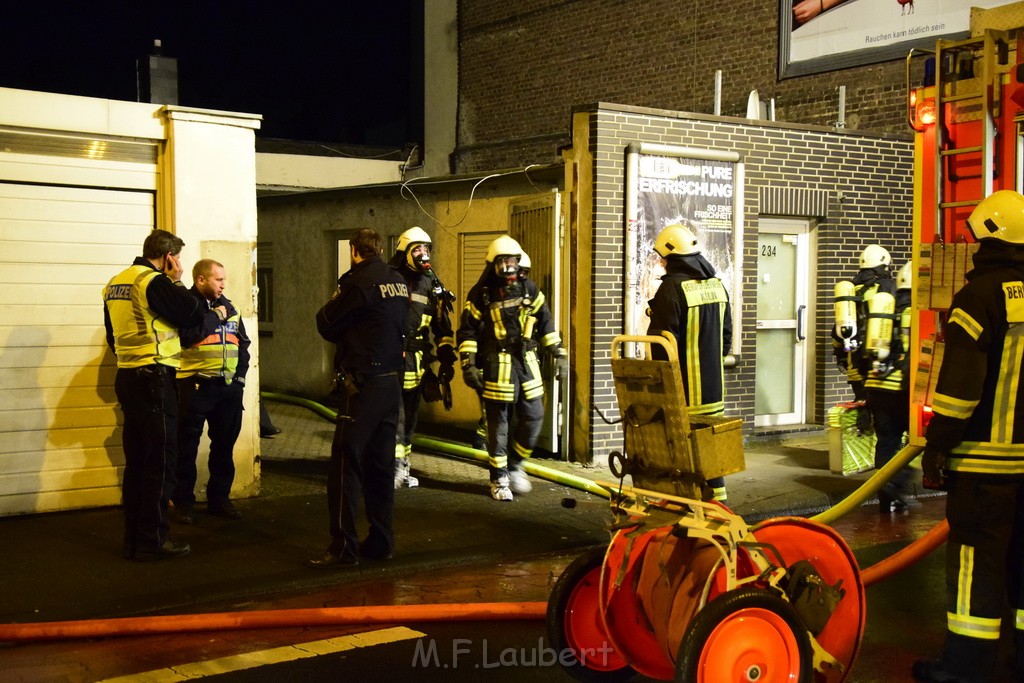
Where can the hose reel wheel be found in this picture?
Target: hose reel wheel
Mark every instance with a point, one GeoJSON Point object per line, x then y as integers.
{"type": "Point", "coordinates": [575, 624]}
{"type": "Point", "coordinates": [748, 635]}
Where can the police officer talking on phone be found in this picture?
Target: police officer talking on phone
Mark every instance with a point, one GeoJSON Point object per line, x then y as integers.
{"type": "Point", "coordinates": [144, 306]}
{"type": "Point", "coordinates": [365, 319]}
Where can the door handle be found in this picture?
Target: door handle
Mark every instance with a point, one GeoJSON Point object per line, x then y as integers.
{"type": "Point", "coordinates": [800, 336]}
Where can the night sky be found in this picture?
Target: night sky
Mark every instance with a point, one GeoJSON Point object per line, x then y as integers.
{"type": "Point", "coordinates": [331, 71]}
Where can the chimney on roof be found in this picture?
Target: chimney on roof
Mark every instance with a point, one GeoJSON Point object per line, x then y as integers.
{"type": "Point", "coordinates": [157, 77]}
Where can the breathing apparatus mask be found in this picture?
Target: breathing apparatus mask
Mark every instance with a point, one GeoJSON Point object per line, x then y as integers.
{"type": "Point", "coordinates": [417, 258]}
{"type": "Point", "coordinates": [506, 267]}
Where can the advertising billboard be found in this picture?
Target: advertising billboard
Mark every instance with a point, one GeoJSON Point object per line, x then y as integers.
{"type": "Point", "coordinates": [699, 189]}
{"type": "Point", "coordinates": [824, 35]}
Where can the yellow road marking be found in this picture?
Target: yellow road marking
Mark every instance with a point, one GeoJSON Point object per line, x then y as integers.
{"type": "Point", "coordinates": [288, 653]}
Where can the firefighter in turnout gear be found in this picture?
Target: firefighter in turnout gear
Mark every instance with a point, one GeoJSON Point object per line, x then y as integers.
{"type": "Point", "coordinates": [211, 381]}
{"type": "Point", "coordinates": [504, 323]}
{"type": "Point", "coordinates": [888, 386]}
{"type": "Point", "coordinates": [480, 436]}
{"type": "Point", "coordinates": [848, 340]}
{"type": "Point", "coordinates": [975, 448]}
{"type": "Point", "coordinates": [430, 307]}
{"type": "Point", "coordinates": [692, 304]}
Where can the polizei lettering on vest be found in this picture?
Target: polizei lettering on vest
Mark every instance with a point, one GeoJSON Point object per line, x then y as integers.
{"type": "Point", "coordinates": [119, 292]}
{"type": "Point", "coordinates": [393, 289]}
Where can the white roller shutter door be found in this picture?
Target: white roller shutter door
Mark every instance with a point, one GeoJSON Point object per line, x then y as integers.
{"type": "Point", "coordinates": [60, 439]}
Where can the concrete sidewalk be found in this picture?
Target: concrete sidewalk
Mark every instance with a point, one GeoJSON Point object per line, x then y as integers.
{"type": "Point", "coordinates": [62, 566]}
{"type": "Point", "coordinates": [785, 475]}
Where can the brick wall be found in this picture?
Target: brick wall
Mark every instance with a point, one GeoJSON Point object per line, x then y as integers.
{"type": "Point", "coordinates": [525, 64]}
{"type": "Point", "coordinates": [865, 179]}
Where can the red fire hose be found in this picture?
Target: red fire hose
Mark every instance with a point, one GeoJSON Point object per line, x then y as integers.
{"type": "Point", "coordinates": [326, 616]}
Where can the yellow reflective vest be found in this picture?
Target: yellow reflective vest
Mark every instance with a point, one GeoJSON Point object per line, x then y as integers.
{"type": "Point", "coordinates": [140, 337]}
{"type": "Point", "coordinates": [216, 355]}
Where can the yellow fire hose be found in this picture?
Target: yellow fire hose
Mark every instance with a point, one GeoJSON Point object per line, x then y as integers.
{"type": "Point", "coordinates": [458, 450]}
{"type": "Point", "coordinates": [869, 487]}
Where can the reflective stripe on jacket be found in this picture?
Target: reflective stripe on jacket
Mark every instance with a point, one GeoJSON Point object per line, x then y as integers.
{"type": "Point", "coordinates": [696, 312]}
{"type": "Point", "coordinates": [500, 326]}
{"type": "Point", "coordinates": [216, 355]}
{"type": "Point", "coordinates": [978, 403]}
{"type": "Point", "coordinates": [140, 337]}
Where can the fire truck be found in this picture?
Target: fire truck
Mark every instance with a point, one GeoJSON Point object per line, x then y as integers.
{"type": "Point", "coordinates": [965, 102]}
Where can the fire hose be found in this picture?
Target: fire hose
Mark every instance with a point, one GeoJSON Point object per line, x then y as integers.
{"type": "Point", "coordinates": [377, 614]}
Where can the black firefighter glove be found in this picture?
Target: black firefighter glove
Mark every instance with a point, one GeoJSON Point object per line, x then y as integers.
{"type": "Point", "coordinates": [932, 464]}
{"type": "Point", "coordinates": [471, 373]}
{"type": "Point", "coordinates": [446, 358]}
{"type": "Point", "coordinates": [471, 376]}
{"type": "Point", "coordinates": [561, 363]}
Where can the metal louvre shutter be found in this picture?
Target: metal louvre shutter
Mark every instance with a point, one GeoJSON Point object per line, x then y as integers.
{"type": "Point", "coordinates": [474, 253]}
{"type": "Point", "coordinates": [60, 445]}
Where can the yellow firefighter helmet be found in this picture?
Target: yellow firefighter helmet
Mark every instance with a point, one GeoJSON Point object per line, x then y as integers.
{"type": "Point", "coordinates": [409, 240]}
{"type": "Point", "coordinates": [999, 216]}
{"type": "Point", "coordinates": [874, 255]}
{"type": "Point", "coordinates": [676, 239]}
{"type": "Point", "coordinates": [504, 246]}
{"type": "Point", "coordinates": [411, 237]}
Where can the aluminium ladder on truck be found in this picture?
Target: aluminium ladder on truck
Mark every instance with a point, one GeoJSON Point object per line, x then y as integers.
{"type": "Point", "coordinates": [968, 94]}
{"type": "Point", "coordinates": [969, 149]}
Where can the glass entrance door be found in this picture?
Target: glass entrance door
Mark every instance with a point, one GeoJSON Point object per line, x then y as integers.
{"type": "Point", "coordinates": [783, 270]}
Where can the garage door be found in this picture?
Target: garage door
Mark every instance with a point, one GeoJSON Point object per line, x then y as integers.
{"type": "Point", "coordinates": [60, 443]}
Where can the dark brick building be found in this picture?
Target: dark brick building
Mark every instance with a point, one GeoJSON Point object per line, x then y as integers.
{"type": "Point", "coordinates": [525, 64]}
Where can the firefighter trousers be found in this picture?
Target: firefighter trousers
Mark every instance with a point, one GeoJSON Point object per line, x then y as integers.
{"type": "Point", "coordinates": [407, 421]}
{"type": "Point", "coordinates": [984, 571]}
{"type": "Point", "coordinates": [528, 414]}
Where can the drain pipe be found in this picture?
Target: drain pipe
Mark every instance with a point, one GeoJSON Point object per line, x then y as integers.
{"type": "Point", "coordinates": [718, 92]}
{"type": "Point", "coordinates": [283, 618]}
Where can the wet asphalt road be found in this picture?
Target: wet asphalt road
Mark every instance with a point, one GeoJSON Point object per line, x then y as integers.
{"type": "Point", "coordinates": [905, 621]}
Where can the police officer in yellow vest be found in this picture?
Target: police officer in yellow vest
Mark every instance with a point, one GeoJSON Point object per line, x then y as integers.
{"type": "Point", "coordinates": [887, 348]}
{"type": "Point", "coordinates": [975, 450]}
{"type": "Point", "coordinates": [143, 308]}
{"type": "Point", "coordinates": [211, 381]}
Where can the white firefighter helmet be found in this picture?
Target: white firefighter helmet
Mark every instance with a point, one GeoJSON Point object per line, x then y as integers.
{"type": "Point", "coordinates": [676, 239]}
{"type": "Point", "coordinates": [905, 278]}
{"type": "Point", "coordinates": [874, 255]}
{"type": "Point", "coordinates": [411, 237]}
{"type": "Point", "coordinates": [999, 216]}
{"type": "Point", "coordinates": [524, 261]}
{"type": "Point", "coordinates": [503, 246]}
